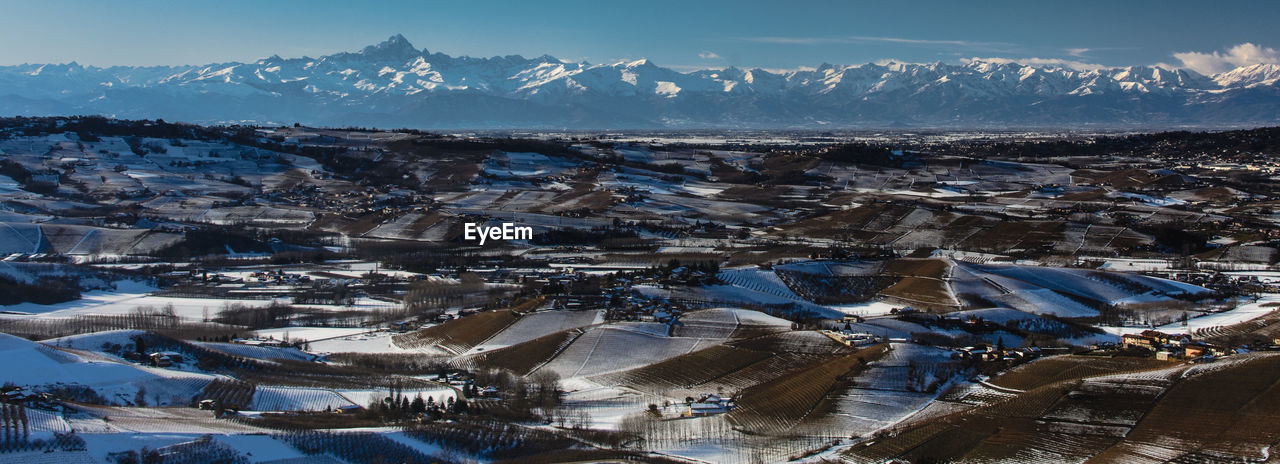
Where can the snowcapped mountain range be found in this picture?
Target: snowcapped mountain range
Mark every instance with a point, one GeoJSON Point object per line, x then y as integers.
{"type": "Point", "coordinates": [394, 84]}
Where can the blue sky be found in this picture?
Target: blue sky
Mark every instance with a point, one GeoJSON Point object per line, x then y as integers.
{"type": "Point", "coordinates": [680, 34]}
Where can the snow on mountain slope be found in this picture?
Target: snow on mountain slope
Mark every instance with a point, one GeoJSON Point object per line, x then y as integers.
{"type": "Point", "coordinates": [394, 83]}
{"type": "Point", "coordinates": [1248, 76]}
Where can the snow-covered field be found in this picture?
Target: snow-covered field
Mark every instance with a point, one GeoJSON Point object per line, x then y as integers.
{"type": "Point", "coordinates": [538, 324]}
{"type": "Point", "coordinates": [257, 447]}
{"type": "Point", "coordinates": [729, 295]}
{"type": "Point", "coordinates": [364, 342]}
{"type": "Point", "coordinates": [439, 394]}
{"type": "Point", "coordinates": [760, 280]}
{"type": "Point", "coordinates": [671, 186]}
{"type": "Point", "coordinates": [44, 424]}
{"type": "Point", "coordinates": [38, 366]}
{"type": "Point", "coordinates": [267, 398]}
{"type": "Point", "coordinates": [606, 406]}
{"type": "Point", "coordinates": [259, 352]}
{"type": "Point", "coordinates": [1045, 290]}
{"type": "Point", "coordinates": [867, 309]}
{"type": "Point", "coordinates": [94, 341]}
{"type": "Point", "coordinates": [603, 350]}
{"type": "Point", "coordinates": [509, 165]}
{"type": "Point", "coordinates": [310, 333]}
{"type": "Point", "coordinates": [1245, 312]}
{"type": "Point", "coordinates": [128, 298]}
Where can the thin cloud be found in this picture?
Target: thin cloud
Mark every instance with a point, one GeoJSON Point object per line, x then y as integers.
{"type": "Point", "coordinates": [708, 55]}
{"type": "Point", "coordinates": [854, 39]}
{"type": "Point", "coordinates": [1044, 62]}
{"type": "Point", "coordinates": [1245, 54]}
{"type": "Point", "coordinates": [1081, 52]}
{"type": "Point", "coordinates": [958, 43]}
{"type": "Point", "coordinates": [889, 61]}
{"type": "Point", "coordinates": [687, 68]}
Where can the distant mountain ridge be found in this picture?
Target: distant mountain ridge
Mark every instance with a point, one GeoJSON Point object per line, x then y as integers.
{"type": "Point", "coordinates": [394, 84]}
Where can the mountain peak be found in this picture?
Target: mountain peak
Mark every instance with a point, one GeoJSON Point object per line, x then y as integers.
{"type": "Point", "coordinates": [1244, 76]}
{"type": "Point", "coordinates": [401, 80]}
{"type": "Point", "coordinates": [395, 45]}
{"type": "Point", "coordinates": [643, 62]}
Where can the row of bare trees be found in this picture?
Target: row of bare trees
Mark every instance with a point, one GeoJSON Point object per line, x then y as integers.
{"type": "Point", "coordinates": [15, 424]}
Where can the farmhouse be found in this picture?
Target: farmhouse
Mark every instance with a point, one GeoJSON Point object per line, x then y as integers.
{"type": "Point", "coordinates": [14, 396]}
{"type": "Point", "coordinates": [705, 409]}
{"type": "Point", "coordinates": [45, 179]}
{"type": "Point", "coordinates": [270, 342]}
{"type": "Point", "coordinates": [165, 359]}
{"type": "Point", "coordinates": [1168, 346]}
{"type": "Point", "coordinates": [1135, 340]}
{"type": "Point", "coordinates": [1149, 339]}
{"type": "Point", "coordinates": [1195, 350]}
{"type": "Point", "coordinates": [1158, 337]}
{"type": "Point", "coordinates": [709, 405]}
{"type": "Point", "coordinates": [989, 353]}
{"type": "Point", "coordinates": [850, 338]}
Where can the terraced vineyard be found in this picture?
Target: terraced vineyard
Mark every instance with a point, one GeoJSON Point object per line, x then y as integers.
{"type": "Point", "coordinates": [354, 447]}
{"type": "Point", "coordinates": [758, 280]}
{"type": "Point", "coordinates": [835, 289]}
{"type": "Point", "coordinates": [920, 281]}
{"type": "Point", "coordinates": [522, 358]}
{"type": "Point", "coordinates": [1262, 328]}
{"type": "Point", "coordinates": [911, 267]}
{"type": "Point", "coordinates": [728, 323]}
{"type": "Point", "coordinates": [778, 405]}
{"type": "Point", "coordinates": [1220, 412]}
{"type": "Point", "coordinates": [460, 334]}
{"type": "Point", "coordinates": [604, 350]}
{"type": "Point", "coordinates": [805, 342]}
{"type": "Point", "coordinates": [258, 352]}
{"type": "Point", "coordinates": [1227, 411]}
{"type": "Point", "coordinates": [162, 420]}
{"type": "Point", "coordinates": [230, 393]}
{"type": "Point", "coordinates": [540, 324]}
{"type": "Point", "coordinates": [1058, 368]}
{"type": "Point", "coordinates": [44, 422]}
{"type": "Point", "coordinates": [708, 323]}
{"type": "Point", "coordinates": [921, 290]}
{"type": "Point", "coordinates": [297, 399]}
{"type": "Point", "coordinates": [212, 242]}
{"type": "Point", "coordinates": [686, 372]}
